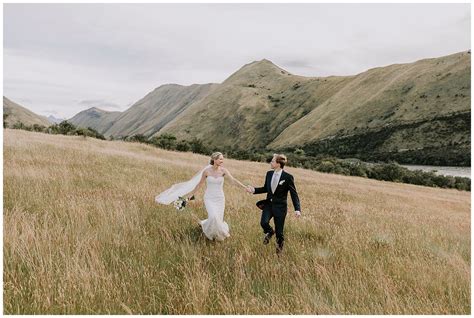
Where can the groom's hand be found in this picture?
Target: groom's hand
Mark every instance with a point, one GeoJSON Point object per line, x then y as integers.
{"type": "Point", "coordinates": [297, 214]}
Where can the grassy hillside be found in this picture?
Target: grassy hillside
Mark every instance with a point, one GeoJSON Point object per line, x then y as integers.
{"type": "Point", "coordinates": [253, 106]}
{"type": "Point", "coordinates": [19, 114]}
{"type": "Point", "coordinates": [418, 112]}
{"type": "Point", "coordinates": [146, 116]}
{"type": "Point", "coordinates": [83, 235]}
{"type": "Point", "coordinates": [392, 95]}
{"type": "Point", "coordinates": [158, 108]}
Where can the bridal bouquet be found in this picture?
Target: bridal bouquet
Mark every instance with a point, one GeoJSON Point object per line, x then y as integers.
{"type": "Point", "coordinates": [181, 202]}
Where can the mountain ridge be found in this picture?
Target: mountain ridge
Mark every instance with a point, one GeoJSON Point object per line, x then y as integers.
{"type": "Point", "coordinates": [262, 106]}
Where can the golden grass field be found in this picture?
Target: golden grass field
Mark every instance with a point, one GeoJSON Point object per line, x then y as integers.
{"type": "Point", "coordinates": [83, 235]}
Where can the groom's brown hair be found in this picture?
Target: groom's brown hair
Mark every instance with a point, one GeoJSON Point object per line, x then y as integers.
{"type": "Point", "coordinates": [281, 159]}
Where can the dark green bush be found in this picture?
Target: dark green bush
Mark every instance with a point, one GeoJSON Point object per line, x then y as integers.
{"type": "Point", "coordinates": [165, 141]}
{"type": "Point", "coordinates": [183, 145]}
{"type": "Point", "coordinates": [197, 146]}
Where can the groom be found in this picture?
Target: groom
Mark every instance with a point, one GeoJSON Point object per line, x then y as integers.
{"type": "Point", "coordinates": [277, 184]}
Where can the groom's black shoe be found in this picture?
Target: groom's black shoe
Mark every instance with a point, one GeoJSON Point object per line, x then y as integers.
{"type": "Point", "coordinates": [267, 238]}
{"type": "Point", "coordinates": [279, 248]}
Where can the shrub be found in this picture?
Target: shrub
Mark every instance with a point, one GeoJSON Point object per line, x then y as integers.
{"type": "Point", "coordinates": [390, 172]}
{"type": "Point", "coordinates": [197, 146]}
{"type": "Point", "coordinates": [165, 141]}
{"type": "Point", "coordinates": [138, 138]}
{"type": "Point", "coordinates": [66, 128]}
{"type": "Point", "coordinates": [89, 132]}
{"type": "Point", "coordinates": [299, 152]}
{"type": "Point", "coordinates": [183, 145]}
{"type": "Point", "coordinates": [39, 128]}
{"type": "Point", "coordinates": [326, 166]}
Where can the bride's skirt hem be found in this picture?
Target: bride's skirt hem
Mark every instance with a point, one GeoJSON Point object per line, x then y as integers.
{"type": "Point", "coordinates": [212, 233]}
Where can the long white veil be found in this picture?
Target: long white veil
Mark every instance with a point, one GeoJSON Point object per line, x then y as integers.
{"type": "Point", "coordinates": [172, 194]}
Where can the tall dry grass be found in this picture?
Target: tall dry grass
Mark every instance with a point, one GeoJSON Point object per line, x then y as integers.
{"type": "Point", "coordinates": [83, 235]}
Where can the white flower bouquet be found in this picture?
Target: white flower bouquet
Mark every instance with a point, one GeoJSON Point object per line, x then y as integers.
{"type": "Point", "coordinates": [181, 202]}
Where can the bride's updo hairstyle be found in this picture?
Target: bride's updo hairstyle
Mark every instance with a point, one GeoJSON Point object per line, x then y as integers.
{"type": "Point", "coordinates": [214, 156]}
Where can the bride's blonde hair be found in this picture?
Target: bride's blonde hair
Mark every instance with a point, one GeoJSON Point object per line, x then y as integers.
{"type": "Point", "coordinates": [214, 156]}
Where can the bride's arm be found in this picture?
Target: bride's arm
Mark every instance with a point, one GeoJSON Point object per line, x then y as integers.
{"type": "Point", "coordinates": [203, 177]}
{"type": "Point", "coordinates": [227, 173]}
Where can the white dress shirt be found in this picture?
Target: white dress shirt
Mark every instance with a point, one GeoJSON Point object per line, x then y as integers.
{"type": "Point", "coordinates": [275, 180]}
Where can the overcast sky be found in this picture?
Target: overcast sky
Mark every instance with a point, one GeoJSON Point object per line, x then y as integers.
{"type": "Point", "coordinates": [61, 59]}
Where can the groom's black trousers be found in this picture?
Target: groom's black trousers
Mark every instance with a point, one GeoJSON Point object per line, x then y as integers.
{"type": "Point", "coordinates": [278, 213]}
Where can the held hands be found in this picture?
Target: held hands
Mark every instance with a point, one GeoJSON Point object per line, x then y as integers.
{"type": "Point", "coordinates": [250, 189]}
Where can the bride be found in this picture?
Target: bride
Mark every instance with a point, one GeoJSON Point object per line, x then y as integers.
{"type": "Point", "coordinates": [214, 227]}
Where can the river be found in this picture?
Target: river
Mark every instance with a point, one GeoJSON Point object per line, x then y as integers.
{"type": "Point", "coordinates": [446, 171]}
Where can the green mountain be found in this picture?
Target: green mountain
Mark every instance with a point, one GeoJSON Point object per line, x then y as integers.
{"type": "Point", "coordinates": [14, 113]}
{"type": "Point", "coordinates": [414, 113]}
{"type": "Point", "coordinates": [252, 107]}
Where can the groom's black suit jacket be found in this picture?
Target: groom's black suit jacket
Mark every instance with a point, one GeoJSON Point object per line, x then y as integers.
{"type": "Point", "coordinates": [278, 200]}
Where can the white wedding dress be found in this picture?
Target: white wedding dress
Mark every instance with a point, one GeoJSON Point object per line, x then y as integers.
{"type": "Point", "coordinates": [214, 226]}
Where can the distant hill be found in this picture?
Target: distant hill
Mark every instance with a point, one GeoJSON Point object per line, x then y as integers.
{"type": "Point", "coordinates": [15, 113]}
{"type": "Point", "coordinates": [413, 113]}
{"type": "Point", "coordinates": [54, 120]}
{"type": "Point", "coordinates": [158, 108]}
{"type": "Point", "coordinates": [146, 116]}
{"type": "Point", "coordinates": [95, 118]}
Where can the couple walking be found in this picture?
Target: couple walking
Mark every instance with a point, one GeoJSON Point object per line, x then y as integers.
{"type": "Point", "coordinates": [277, 185]}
